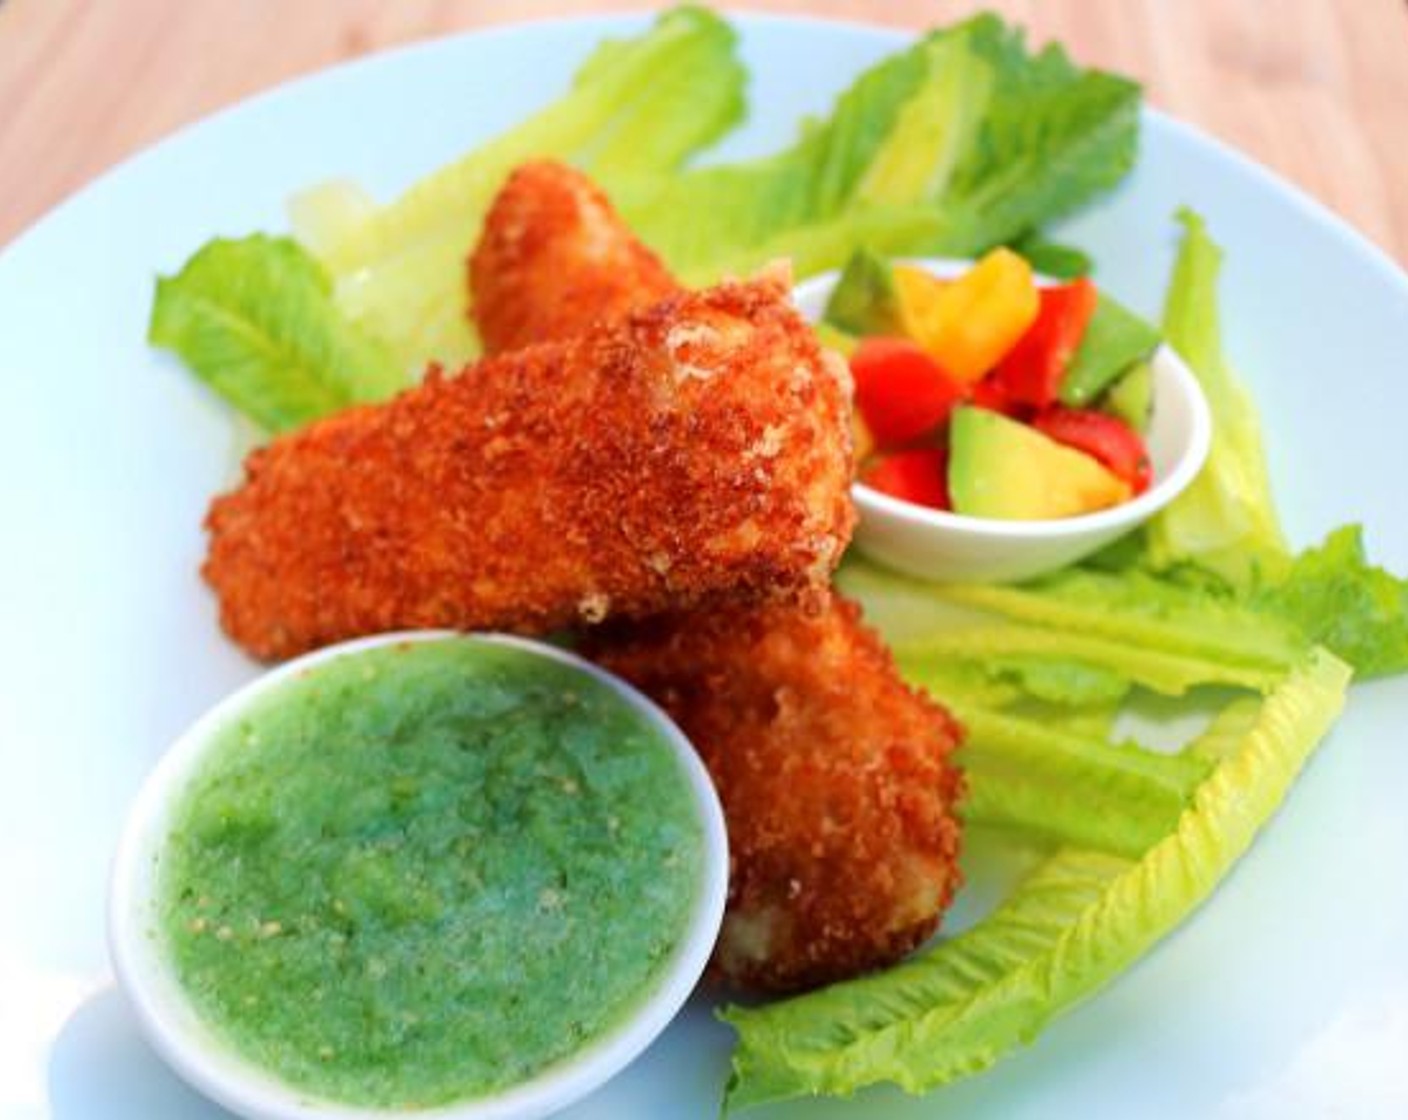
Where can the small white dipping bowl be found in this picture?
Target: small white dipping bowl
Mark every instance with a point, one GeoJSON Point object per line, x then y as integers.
{"type": "Point", "coordinates": [939, 545]}
{"type": "Point", "coordinates": [187, 1043]}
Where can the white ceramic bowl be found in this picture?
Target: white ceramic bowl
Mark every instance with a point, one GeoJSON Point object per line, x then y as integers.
{"type": "Point", "coordinates": [174, 1028]}
{"type": "Point", "coordinates": [939, 545]}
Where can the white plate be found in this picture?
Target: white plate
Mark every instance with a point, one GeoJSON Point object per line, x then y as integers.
{"type": "Point", "coordinates": [1288, 991]}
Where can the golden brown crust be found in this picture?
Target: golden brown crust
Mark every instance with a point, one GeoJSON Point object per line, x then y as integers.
{"type": "Point", "coordinates": [696, 451]}
{"type": "Point", "coordinates": [833, 774]}
{"type": "Point", "coordinates": [834, 777]}
{"type": "Point", "coordinates": [554, 258]}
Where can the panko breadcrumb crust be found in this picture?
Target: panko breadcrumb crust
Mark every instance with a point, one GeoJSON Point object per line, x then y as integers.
{"type": "Point", "coordinates": [554, 258]}
{"type": "Point", "coordinates": [834, 776]}
{"type": "Point", "coordinates": [694, 452]}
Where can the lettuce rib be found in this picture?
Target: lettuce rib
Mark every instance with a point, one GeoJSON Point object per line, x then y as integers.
{"type": "Point", "coordinates": [637, 106]}
{"type": "Point", "coordinates": [1172, 674]}
{"type": "Point", "coordinates": [1137, 609]}
{"type": "Point", "coordinates": [640, 104]}
{"type": "Point", "coordinates": [1077, 922]}
{"type": "Point", "coordinates": [1189, 632]}
{"type": "Point", "coordinates": [1225, 521]}
{"type": "Point", "coordinates": [1062, 787]}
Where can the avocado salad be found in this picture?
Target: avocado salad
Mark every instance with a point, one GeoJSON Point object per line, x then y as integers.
{"type": "Point", "coordinates": [966, 144]}
{"type": "Point", "coordinates": [990, 395]}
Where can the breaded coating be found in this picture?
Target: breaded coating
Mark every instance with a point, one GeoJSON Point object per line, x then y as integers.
{"type": "Point", "coordinates": [554, 258]}
{"type": "Point", "coordinates": [834, 778]}
{"type": "Point", "coordinates": [696, 451]}
{"type": "Point", "coordinates": [833, 773]}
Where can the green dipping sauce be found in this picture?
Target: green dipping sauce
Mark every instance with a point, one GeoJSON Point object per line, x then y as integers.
{"type": "Point", "coordinates": [426, 872]}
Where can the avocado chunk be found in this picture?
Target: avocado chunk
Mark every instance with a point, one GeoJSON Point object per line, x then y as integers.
{"type": "Point", "coordinates": [1114, 340]}
{"type": "Point", "coordinates": [1131, 398]}
{"type": "Point", "coordinates": [1001, 468]}
{"type": "Point", "coordinates": [866, 299]}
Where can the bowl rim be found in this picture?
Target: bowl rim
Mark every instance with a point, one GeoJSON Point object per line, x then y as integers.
{"type": "Point", "coordinates": [1189, 461]}
{"type": "Point", "coordinates": [171, 1024]}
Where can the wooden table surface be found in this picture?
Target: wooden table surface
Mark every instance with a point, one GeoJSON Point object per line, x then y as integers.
{"type": "Point", "coordinates": [1315, 89]}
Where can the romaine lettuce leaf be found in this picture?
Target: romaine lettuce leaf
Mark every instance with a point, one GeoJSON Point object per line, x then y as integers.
{"type": "Point", "coordinates": [960, 143]}
{"type": "Point", "coordinates": [902, 607]}
{"type": "Point", "coordinates": [637, 106]}
{"type": "Point", "coordinates": [1079, 636]}
{"type": "Point", "coordinates": [955, 681]}
{"type": "Point", "coordinates": [888, 141]}
{"type": "Point", "coordinates": [1065, 681]}
{"type": "Point", "coordinates": [1047, 781]}
{"type": "Point", "coordinates": [1068, 656]}
{"type": "Point", "coordinates": [1340, 600]}
{"type": "Point", "coordinates": [1225, 521]}
{"type": "Point", "coordinates": [255, 320]}
{"type": "Point", "coordinates": [330, 214]}
{"type": "Point", "coordinates": [1145, 612]}
{"type": "Point", "coordinates": [1076, 923]}
{"type": "Point", "coordinates": [1054, 136]}
{"type": "Point", "coordinates": [1060, 262]}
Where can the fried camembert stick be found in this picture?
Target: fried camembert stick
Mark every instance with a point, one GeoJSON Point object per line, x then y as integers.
{"type": "Point", "coordinates": [554, 258]}
{"type": "Point", "coordinates": [695, 451]}
{"type": "Point", "coordinates": [834, 775]}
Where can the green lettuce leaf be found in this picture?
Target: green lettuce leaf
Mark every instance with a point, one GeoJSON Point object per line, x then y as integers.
{"type": "Point", "coordinates": [255, 320]}
{"type": "Point", "coordinates": [902, 607]}
{"type": "Point", "coordinates": [1225, 521]}
{"type": "Point", "coordinates": [962, 142]}
{"type": "Point", "coordinates": [1143, 611]}
{"type": "Point", "coordinates": [1079, 636]}
{"type": "Point", "coordinates": [1334, 595]}
{"type": "Point", "coordinates": [637, 106]}
{"type": "Point", "coordinates": [1078, 668]}
{"type": "Point", "coordinates": [1071, 927]}
{"type": "Point", "coordinates": [1054, 136]}
{"type": "Point", "coordinates": [1060, 262]}
{"type": "Point", "coordinates": [1064, 681]}
{"type": "Point", "coordinates": [890, 139]}
{"type": "Point", "coordinates": [1053, 784]}
{"type": "Point", "coordinates": [956, 681]}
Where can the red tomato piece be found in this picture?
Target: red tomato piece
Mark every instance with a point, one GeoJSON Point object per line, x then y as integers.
{"type": "Point", "coordinates": [919, 476]}
{"type": "Point", "coordinates": [1101, 436]}
{"type": "Point", "coordinates": [901, 392]}
{"type": "Point", "coordinates": [1031, 372]}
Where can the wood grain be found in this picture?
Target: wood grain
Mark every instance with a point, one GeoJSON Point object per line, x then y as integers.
{"type": "Point", "coordinates": [1315, 89]}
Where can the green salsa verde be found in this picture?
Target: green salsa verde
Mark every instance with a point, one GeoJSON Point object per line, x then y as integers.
{"type": "Point", "coordinates": [425, 872]}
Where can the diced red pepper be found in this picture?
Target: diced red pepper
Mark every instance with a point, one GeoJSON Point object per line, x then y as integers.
{"type": "Point", "coordinates": [901, 392]}
{"type": "Point", "coordinates": [1101, 436]}
{"type": "Point", "coordinates": [919, 476]}
{"type": "Point", "coordinates": [1031, 372]}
